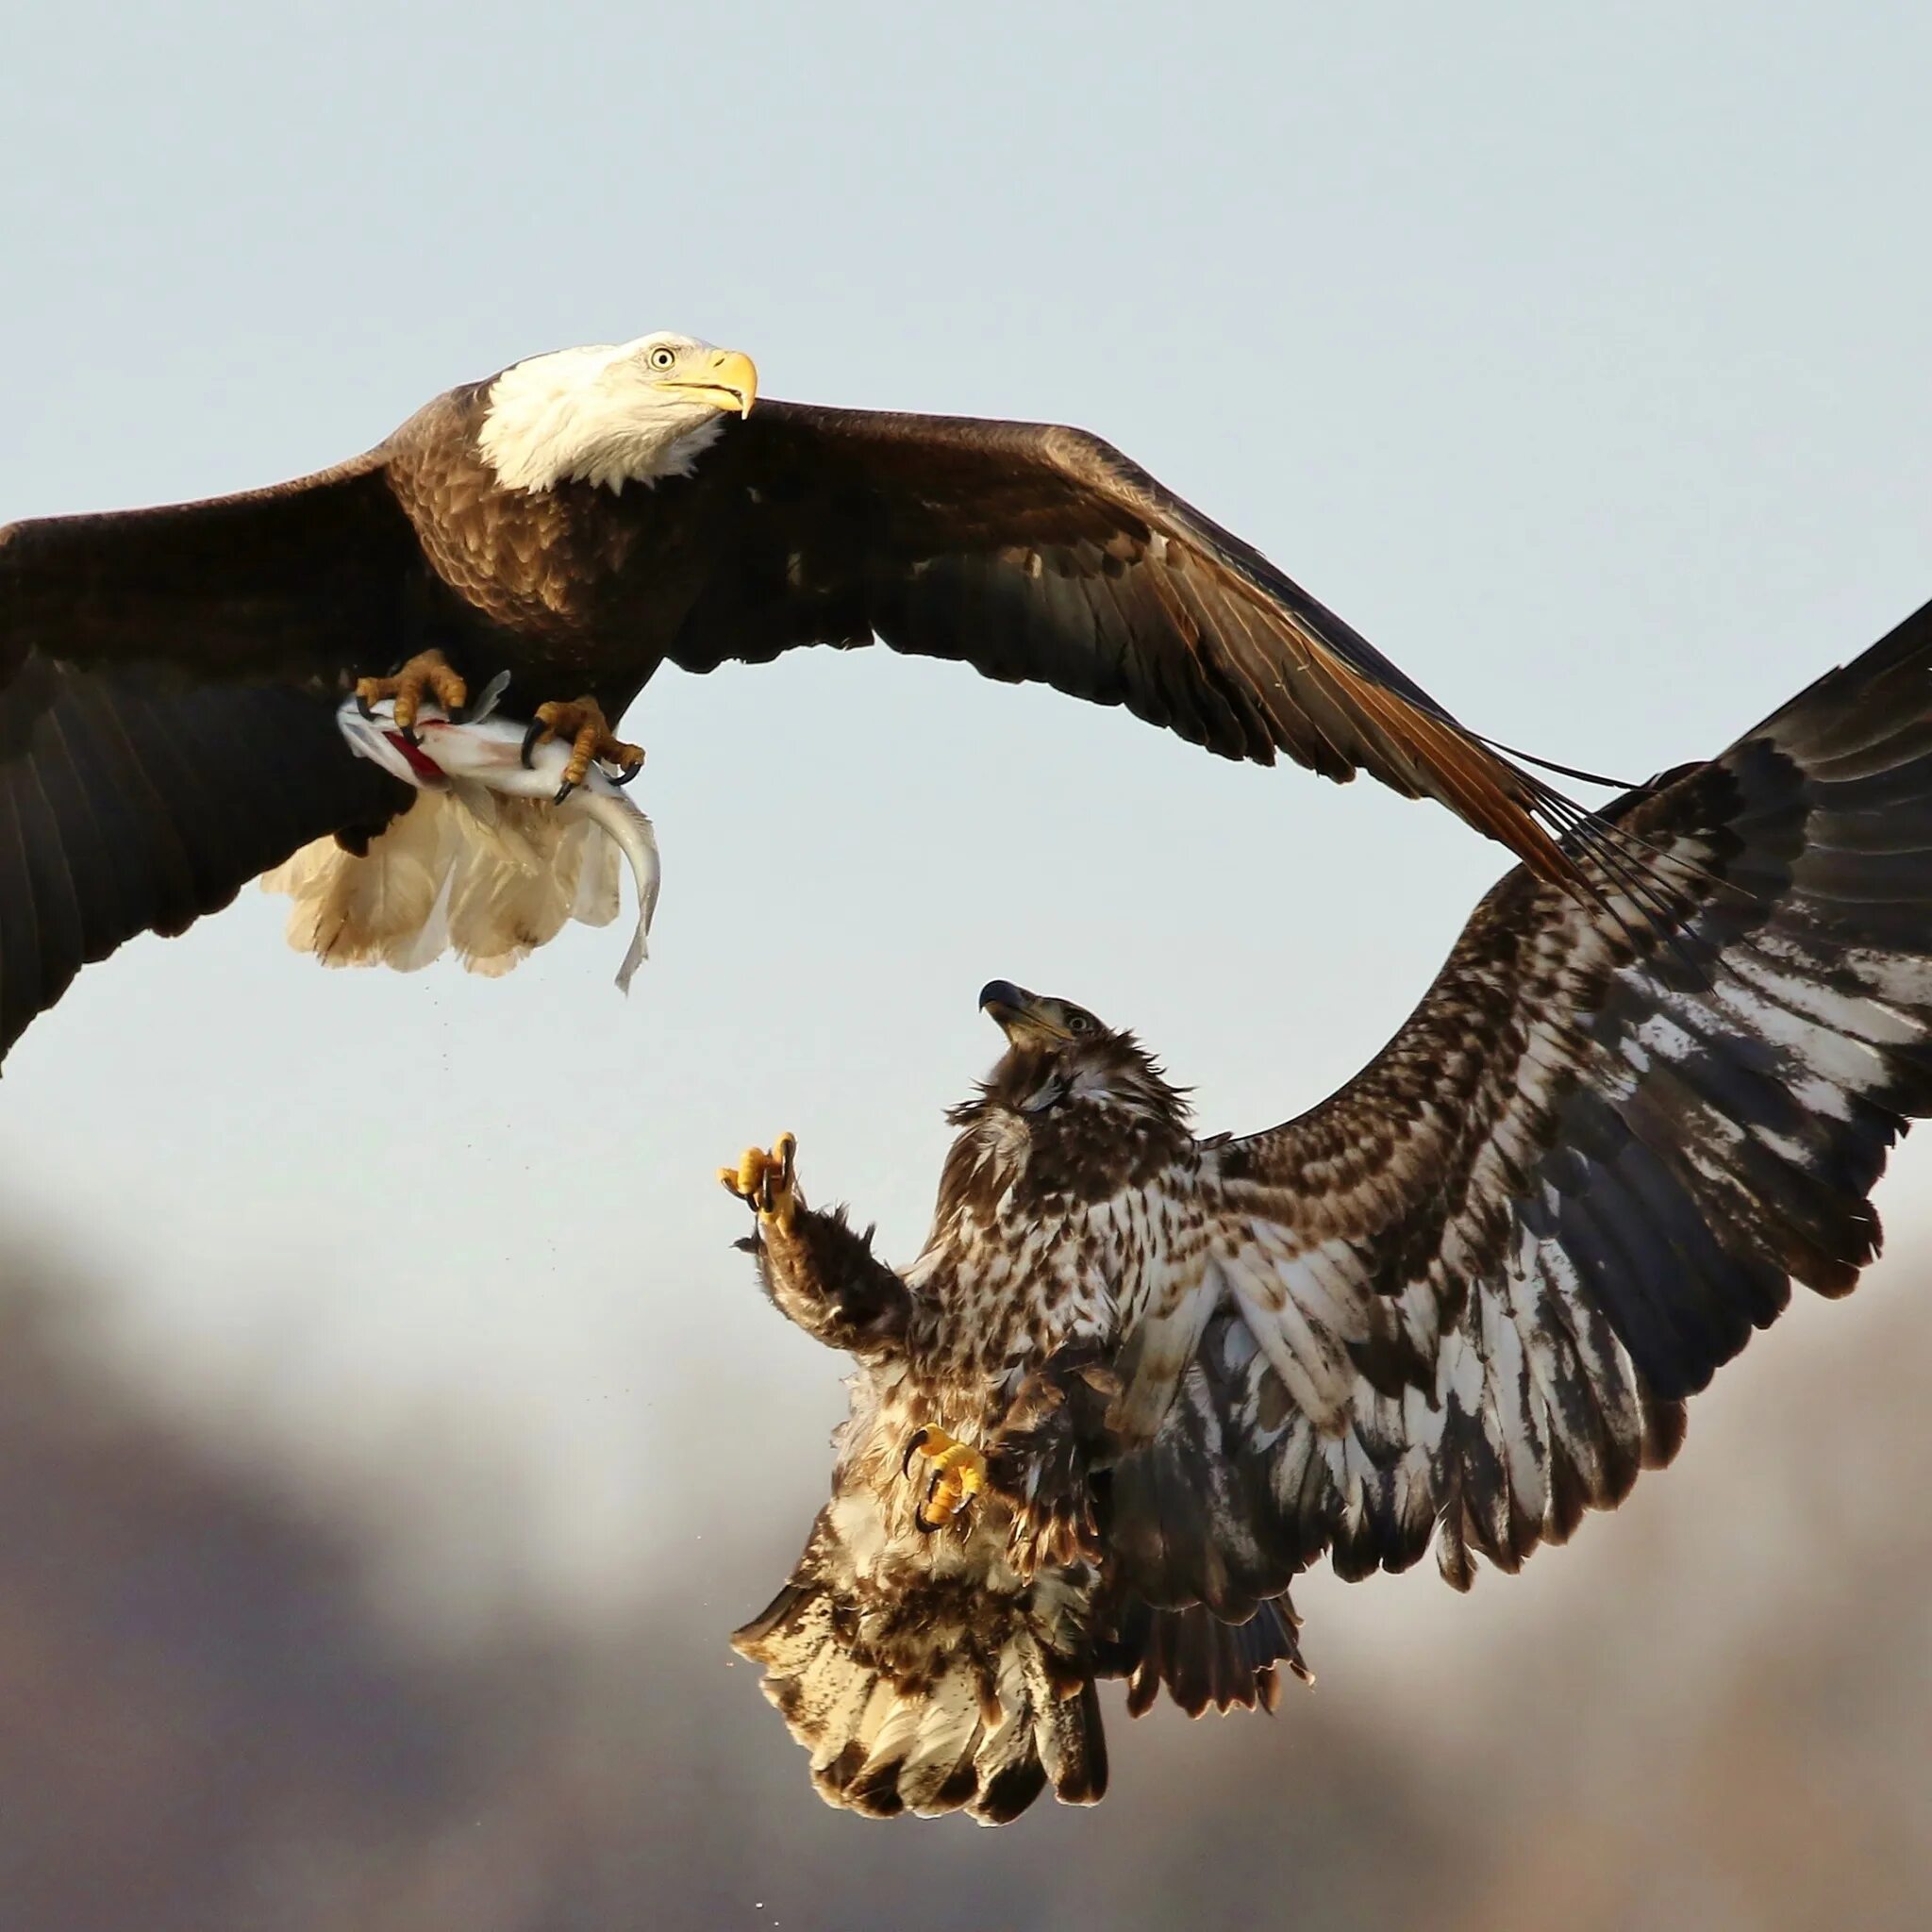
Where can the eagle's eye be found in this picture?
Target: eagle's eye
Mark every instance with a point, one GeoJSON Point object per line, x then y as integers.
{"type": "Point", "coordinates": [662, 357]}
{"type": "Point", "coordinates": [1079, 1023]}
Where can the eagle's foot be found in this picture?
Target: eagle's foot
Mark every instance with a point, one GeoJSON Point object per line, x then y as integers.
{"type": "Point", "coordinates": [581, 720]}
{"type": "Point", "coordinates": [959, 1475]}
{"type": "Point", "coordinates": [426, 671]}
{"type": "Point", "coordinates": [768, 1182]}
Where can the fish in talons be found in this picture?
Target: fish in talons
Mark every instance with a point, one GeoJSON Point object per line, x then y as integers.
{"type": "Point", "coordinates": [493, 857]}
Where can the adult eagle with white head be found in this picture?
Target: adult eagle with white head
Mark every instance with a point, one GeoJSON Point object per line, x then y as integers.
{"type": "Point", "coordinates": [167, 676]}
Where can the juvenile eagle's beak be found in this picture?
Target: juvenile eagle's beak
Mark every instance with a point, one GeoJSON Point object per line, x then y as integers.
{"type": "Point", "coordinates": [730, 383]}
{"type": "Point", "coordinates": [1018, 1013]}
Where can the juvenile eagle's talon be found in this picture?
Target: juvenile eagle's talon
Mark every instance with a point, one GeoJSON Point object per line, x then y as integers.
{"type": "Point", "coordinates": [631, 770]}
{"type": "Point", "coordinates": [959, 1475]}
{"type": "Point", "coordinates": [538, 730]}
{"type": "Point", "coordinates": [766, 1182]}
{"type": "Point", "coordinates": [564, 791]}
{"type": "Point", "coordinates": [429, 673]}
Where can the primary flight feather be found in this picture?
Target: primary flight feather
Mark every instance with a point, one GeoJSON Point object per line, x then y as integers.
{"type": "Point", "coordinates": [167, 676]}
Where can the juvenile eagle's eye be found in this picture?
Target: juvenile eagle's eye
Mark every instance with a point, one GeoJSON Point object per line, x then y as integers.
{"type": "Point", "coordinates": [1079, 1023]}
{"type": "Point", "coordinates": [662, 357]}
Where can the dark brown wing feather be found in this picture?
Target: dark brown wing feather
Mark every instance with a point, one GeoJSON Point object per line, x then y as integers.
{"type": "Point", "coordinates": [1041, 554]}
{"type": "Point", "coordinates": [130, 802]}
{"type": "Point", "coordinates": [294, 582]}
{"type": "Point", "coordinates": [167, 679]}
{"type": "Point", "coordinates": [1469, 1295]}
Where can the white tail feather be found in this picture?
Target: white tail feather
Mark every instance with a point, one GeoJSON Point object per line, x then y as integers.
{"type": "Point", "coordinates": [466, 870]}
{"type": "Point", "coordinates": [513, 886]}
{"type": "Point", "coordinates": [351, 911]}
{"type": "Point", "coordinates": [599, 878]}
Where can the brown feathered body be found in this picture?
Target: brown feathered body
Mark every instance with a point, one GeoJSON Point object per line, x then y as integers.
{"type": "Point", "coordinates": [1462, 1301]}
{"type": "Point", "coordinates": [934, 1670]}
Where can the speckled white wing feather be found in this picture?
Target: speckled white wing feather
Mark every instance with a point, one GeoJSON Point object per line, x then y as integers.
{"type": "Point", "coordinates": [1471, 1293]}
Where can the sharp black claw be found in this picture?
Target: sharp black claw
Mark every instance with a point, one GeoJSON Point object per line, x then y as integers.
{"type": "Point", "coordinates": [363, 706]}
{"type": "Point", "coordinates": [564, 791]}
{"type": "Point", "coordinates": [631, 770]}
{"type": "Point", "coordinates": [912, 1449]}
{"type": "Point", "coordinates": [530, 738]}
{"type": "Point", "coordinates": [407, 734]}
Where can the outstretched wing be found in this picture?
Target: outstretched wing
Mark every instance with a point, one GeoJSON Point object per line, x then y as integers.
{"type": "Point", "coordinates": [289, 583]}
{"type": "Point", "coordinates": [1471, 1293]}
{"type": "Point", "coordinates": [167, 679]}
{"type": "Point", "coordinates": [1040, 554]}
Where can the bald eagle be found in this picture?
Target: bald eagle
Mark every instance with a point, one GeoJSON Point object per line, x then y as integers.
{"type": "Point", "coordinates": [167, 676]}
{"type": "Point", "coordinates": [1138, 1381]}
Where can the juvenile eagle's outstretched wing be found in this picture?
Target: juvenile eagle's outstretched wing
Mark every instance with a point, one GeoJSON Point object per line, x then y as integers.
{"type": "Point", "coordinates": [1470, 1293]}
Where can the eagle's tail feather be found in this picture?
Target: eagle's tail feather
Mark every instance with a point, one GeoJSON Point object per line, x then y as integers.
{"type": "Point", "coordinates": [371, 909]}
{"type": "Point", "coordinates": [1202, 1660]}
{"type": "Point", "coordinates": [492, 878]}
{"type": "Point", "coordinates": [963, 1730]}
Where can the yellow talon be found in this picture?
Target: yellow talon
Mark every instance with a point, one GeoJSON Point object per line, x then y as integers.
{"type": "Point", "coordinates": [767, 1182]}
{"type": "Point", "coordinates": [959, 1475]}
{"type": "Point", "coordinates": [581, 720]}
{"type": "Point", "coordinates": [427, 670]}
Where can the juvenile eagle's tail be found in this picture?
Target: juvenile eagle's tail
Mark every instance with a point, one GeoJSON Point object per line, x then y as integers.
{"type": "Point", "coordinates": [1203, 1661]}
{"type": "Point", "coordinates": [966, 1700]}
{"type": "Point", "coordinates": [966, 1706]}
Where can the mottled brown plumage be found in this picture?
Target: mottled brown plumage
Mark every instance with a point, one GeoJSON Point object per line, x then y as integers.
{"type": "Point", "coordinates": [228, 629]}
{"type": "Point", "coordinates": [1462, 1301]}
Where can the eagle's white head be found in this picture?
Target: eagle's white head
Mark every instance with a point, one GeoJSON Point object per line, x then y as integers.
{"type": "Point", "coordinates": [612, 415]}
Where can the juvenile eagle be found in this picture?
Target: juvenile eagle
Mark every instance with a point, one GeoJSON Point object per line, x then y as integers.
{"type": "Point", "coordinates": [167, 675]}
{"type": "Point", "coordinates": [1138, 1381]}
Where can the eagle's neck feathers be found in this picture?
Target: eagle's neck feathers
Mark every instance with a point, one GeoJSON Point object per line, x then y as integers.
{"type": "Point", "coordinates": [1044, 1195]}
{"type": "Point", "coordinates": [1048, 1090]}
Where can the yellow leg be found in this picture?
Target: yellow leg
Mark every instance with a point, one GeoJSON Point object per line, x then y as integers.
{"type": "Point", "coordinates": [959, 1475]}
{"type": "Point", "coordinates": [427, 670]}
{"type": "Point", "coordinates": [581, 720]}
{"type": "Point", "coordinates": [768, 1182]}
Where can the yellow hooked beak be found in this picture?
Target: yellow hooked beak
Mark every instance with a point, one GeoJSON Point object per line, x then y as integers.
{"type": "Point", "coordinates": [731, 382]}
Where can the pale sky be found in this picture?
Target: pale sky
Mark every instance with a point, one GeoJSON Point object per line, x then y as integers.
{"type": "Point", "coordinates": [1576, 356]}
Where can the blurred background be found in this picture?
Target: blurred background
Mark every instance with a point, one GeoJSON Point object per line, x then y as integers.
{"type": "Point", "coordinates": [389, 1436]}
